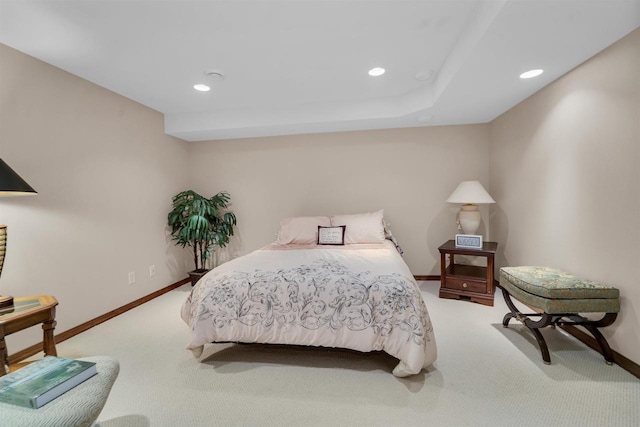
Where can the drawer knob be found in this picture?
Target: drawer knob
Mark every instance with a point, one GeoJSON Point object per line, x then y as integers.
{"type": "Point", "coordinates": [464, 285]}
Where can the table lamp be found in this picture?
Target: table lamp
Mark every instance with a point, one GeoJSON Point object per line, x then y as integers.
{"type": "Point", "coordinates": [470, 194]}
{"type": "Point", "coordinates": [10, 185]}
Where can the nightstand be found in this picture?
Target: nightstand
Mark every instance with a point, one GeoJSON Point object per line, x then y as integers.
{"type": "Point", "coordinates": [470, 282]}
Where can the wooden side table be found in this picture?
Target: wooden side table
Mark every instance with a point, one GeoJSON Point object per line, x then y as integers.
{"type": "Point", "coordinates": [27, 312]}
{"type": "Point", "coordinates": [467, 281]}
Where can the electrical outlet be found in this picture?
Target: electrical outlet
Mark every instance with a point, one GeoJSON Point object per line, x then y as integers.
{"type": "Point", "coordinates": [132, 277]}
{"type": "Point", "coordinates": [152, 270]}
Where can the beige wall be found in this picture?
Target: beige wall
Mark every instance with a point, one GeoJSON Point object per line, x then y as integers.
{"type": "Point", "coordinates": [564, 171]}
{"type": "Point", "coordinates": [105, 173]}
{"type": "Point", "coordinates": [407, 172]}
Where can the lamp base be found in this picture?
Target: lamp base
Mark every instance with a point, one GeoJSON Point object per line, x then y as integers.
{"type": "Point", "coordinates": [6, 301]}
{"type": "Point", "coordinates": [469, 218]}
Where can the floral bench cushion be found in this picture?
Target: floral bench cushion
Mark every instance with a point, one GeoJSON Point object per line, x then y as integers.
{"type": "Point", "coordinates": [555, 291]}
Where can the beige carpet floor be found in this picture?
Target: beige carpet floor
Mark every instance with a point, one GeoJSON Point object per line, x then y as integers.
{"type": "Point", "coordinates": [485, 375]}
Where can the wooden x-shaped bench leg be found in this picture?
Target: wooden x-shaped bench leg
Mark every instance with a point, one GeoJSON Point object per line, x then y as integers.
{"type": "Point", "coordinates": [557, 319]}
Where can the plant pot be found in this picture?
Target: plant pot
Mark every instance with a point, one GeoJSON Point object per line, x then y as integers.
{"type": "Point", "coordinates": [196, 275]}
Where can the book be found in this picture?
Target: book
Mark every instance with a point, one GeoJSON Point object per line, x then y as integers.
{"type": "Point", "coordinates": [38, 383]}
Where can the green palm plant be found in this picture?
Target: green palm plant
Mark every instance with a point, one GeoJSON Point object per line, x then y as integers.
{"type": "Point", "coordinates": [201, 223]}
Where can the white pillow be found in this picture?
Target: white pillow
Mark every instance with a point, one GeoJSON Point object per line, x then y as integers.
{"type": "Point", "coordinates": [301, 230]}
{"type": "Point", "coordinates": [361, 228]}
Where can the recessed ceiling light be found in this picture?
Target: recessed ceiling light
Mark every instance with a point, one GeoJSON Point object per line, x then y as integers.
{"type": "Point", "coordinates": [214, 75]}
{"type": "Point", "coordinates": [375, 72]}
{"type": "Point", "coordinates": [202, 88]}
{"type": "Point", "coordinates": [531, 73]}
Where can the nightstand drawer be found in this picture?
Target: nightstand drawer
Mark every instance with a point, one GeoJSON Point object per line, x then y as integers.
{"type": "Point", "coordinates": [466, 285]}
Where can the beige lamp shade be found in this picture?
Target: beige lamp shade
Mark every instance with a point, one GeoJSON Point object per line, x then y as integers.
{"type": "Point", "coordinates": [470, 194]}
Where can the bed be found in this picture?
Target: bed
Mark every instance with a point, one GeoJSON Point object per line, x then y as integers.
{"type": "Point", "coordinates": [358, 294]}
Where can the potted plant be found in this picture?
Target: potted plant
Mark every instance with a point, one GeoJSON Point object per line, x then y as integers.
{"type": "Point", "coordinates": [202, 224]}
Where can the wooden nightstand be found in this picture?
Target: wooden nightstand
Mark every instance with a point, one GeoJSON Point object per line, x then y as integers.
{"type": "Point", "coordinates": [467, 281]}
{"type": "Point", "coordinates": [24, 313]}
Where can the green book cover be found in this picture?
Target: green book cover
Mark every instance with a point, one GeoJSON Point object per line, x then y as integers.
{"type": "Point", "coordinates": [42, 381]}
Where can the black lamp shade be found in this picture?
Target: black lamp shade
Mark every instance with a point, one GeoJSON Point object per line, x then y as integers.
{"type": "Point", "coordinates": [11, 184]}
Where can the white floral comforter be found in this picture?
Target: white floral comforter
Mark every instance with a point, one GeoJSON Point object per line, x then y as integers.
{"type": "Point", "coordinates": [360, 297]}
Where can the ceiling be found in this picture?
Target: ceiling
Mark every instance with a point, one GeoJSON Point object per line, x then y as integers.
{"type": "Point", "coordinates": [301, 66]}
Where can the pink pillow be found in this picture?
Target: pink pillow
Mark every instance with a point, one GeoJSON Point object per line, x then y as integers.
{"type": "Point", "coordinates": [361, 228]}
{"type": "Point", "coordinates": [301, 230]}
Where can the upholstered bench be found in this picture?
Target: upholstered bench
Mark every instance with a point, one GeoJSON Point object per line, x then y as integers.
{"type": "Point", "coordinates": [78, 407]}
{"type": "Point", "coordinates": [560, 297]}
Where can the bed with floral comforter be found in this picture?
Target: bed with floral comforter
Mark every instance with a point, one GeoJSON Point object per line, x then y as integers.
{"type": "Point", "coordinates": [359, 297]}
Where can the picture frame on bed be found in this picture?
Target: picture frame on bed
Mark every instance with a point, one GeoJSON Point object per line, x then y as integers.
{"type": "Point", "coordinates": [331, 235]}
{"type": "Point", "coordinates": [469, 241]}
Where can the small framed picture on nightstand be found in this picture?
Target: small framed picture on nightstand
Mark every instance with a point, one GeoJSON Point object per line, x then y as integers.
{"type": "Point", "coordinates": [468, 241]}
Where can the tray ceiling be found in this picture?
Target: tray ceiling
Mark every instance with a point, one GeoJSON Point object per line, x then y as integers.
{"type": "Point", "coordinates": [301, 66]}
